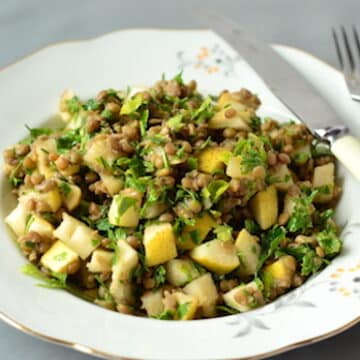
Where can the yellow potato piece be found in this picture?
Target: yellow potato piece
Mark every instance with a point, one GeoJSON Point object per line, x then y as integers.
{"type": "Point", "coordinates": [72, 198]}
{"type": "Point", "coordinates": [125, 262]}
{"type": "Point", "coordinates": [217, 256]}
{"type": "Point", "coordinates": [59, 257]}
{"type": "Point", "coordinates": [324, 178]}
{"type": "Point", "coordinates": [159, 243]}
{"type": "Point", "coordinates": [212, 159]}
{"type": "Point", "coordinates": [181, 271]}
{"type": "Point", "coordinates": [203, 224]}
{"type": "Point", "coordinates": [101, 261]}
{"type": "Point", "coordinates": [186, 306]}
{"type": "Point", "coordinates": [281, 272]}
{"type": "Point", "coordinates": [152, 302]}
{"type": "Point", "coordinates": [281, 176]}
{"type": "Point", "coordinates": [264, 206]}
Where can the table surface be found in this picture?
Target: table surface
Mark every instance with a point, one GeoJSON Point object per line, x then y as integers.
{"type": "Point", "coordinates": [28, 25]}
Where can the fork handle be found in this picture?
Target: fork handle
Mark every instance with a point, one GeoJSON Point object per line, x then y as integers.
{"type": "Point", "coordinates": [347, 150]}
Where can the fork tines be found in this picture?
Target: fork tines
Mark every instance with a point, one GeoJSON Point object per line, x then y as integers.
{"type": "Point", "coordinates": [347, 44]}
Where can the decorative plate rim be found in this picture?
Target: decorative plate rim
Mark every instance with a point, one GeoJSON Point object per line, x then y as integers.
{"type": "Point", "coordinates": [89, 350]}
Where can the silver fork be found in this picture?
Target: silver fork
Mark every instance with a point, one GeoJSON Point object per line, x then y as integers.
{"type": "Point", "coordinates": [348, 52]}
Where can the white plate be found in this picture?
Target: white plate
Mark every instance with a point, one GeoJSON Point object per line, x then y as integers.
{"type": "Point", "coordinates": [325, 305]}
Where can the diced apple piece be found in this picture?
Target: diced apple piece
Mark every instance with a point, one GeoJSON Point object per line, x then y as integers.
{"type": "Point", "coordinates": [199, 231]}
{"type": "Point", "coordinates": [240, 114]}
{"type": "Point", "coordinates": [264, 206]}
{"type": "Point", "coordinates": [42, 149]}
{"type": "Point", "coordinates": [281, 272]}
{"type": "Point", "coordinates": [233, 168]}
{"type": "Point", "coordinates": [71, 197]}
{"type": "Point", "coordinates": [217, 256]}
{"type": "Point", "coordinates": [78, 236]}
{"type": "Point", "coordinates": [301, 154]}
{"type": "Point", "coordinates": [244, 297]}
{"type": "Point", "coordinates": [152, 302]}
{"type": "Point", "coordinates": [324, 179]}
{"type": "Point", "coordinates": [101, 261]}
{"type": "Point", "coordinates": [123, 293]}
{"type": "Point", "coordinates": [281, 176]}
{"type": "Point", "coordinates": [204, 289]}
{"type": "Point", "coordinates": [41, 226]}
{"type": "Point", "coordinates": [159, 243]}
{"type": "Point", "coordinates": [181, 271]}
{"type": "Point", "coordinates": [63, 108]}
{"type": "Point", "coordinates": [125, 208]}
{"type": "Point", "coordinates": [112, 184]}
{"type": "Point", "coordinates": [99, 155]}
{"type": "Point", "coordinates": [52, 198]}
{"type": "Point", "coordinates": [212, 159]}
{"type": "Point", "coordinates": [16, 220]}
{"type": "Point", "coordinates": [125, 261]}
{"type": "Point", "coordinates": [60, 258]}
{"type": "Point", "coordinates": [248, 250]}
{"type": "Point", "coordinates": [186, 306]}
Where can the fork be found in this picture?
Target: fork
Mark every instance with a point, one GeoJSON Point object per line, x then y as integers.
{"type": "Point", "coordinates": [348, 52]}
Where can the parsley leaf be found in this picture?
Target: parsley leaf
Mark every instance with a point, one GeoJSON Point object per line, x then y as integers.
{"type": "Point", "coordinates": [159, 276]}
{"type": "Point", "coordinates": [175, 123]}
{"type": "Point", "coordinates": [204, 112]}
{"type": "Point", "coordinates": [213, 192]}
{"type": "Point", "coordinates": [181, 310]}
{"type": "Point", "coordinates": [131, 104]}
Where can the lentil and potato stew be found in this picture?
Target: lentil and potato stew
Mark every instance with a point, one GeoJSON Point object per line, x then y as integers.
{"type": "Point", "coordinates": [169, 204]}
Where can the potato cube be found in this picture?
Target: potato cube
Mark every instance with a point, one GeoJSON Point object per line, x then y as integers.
{"type": "Point", "coordinates": [181, 271]}
{"type": "Point", "coordinates": [324, 179]}
{"type": "Point", "coordinates": [112, 184]}
{"type": "Point", "coordinates": [244, 297]}
{"type": "Point", "coordinates": [41, 226]}
{"type": "Point", "coordinates": [248, 250]}
{"type": "Point", "coordinates": [125, 208]}
{"type": "Point", "coordinates": [152, 302]}
{"type": "Point", "coordinates": [233, 168]}
{"type": "Point", "coordinates": [159, 243]}
{"type": "Point", "coordinates": [78, 236]}
{"type": "Point", "coordinates": [281, 177]}
{"type": "Point", "coordinates": [204, 289]}
{"type": "Point", "coordinates": [217, 256]}
{"type": "Point", "coordinates": [125, 261]}
{"type": "Point", "coordinates": [186, 306]}
{"type": "Point", "coordinates": [42, 147]}
{"type": "Point", "coordinates": [264, 206]}
{"type": "Point", "coordinates": [212, 159]}
{"type": "Point", "coordinates": [60, 258]}
{"type": "Point", "coordinates": [199, 231]}
{"type": "Point", "coordinates": [123, 293]}
{"type": "Point", "coordinates": [301, 154]}
{"type": "Point", "coordinates": [52, 198]}
{"type": "Point", "coordinates": [101, 261]}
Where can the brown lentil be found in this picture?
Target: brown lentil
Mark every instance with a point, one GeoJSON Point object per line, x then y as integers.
{"type": "Point", "coordinates": [62, 163]}
{"type": "Point", "coordinates": [230, 113]}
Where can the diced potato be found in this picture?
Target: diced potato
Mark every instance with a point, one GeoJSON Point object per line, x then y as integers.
{"type": "Point", "coordinates": [264, 206]}
{"type": "Point", "coordinates": [72, 198]}
{"type": "Point", "coordinates": [281, 272]}
{"type": "Point", "coordinates": [78, 236]}
{"type": "Point", "coordinates": [181, 271]}
{"type": "Point", "coordinates": [152, 302]}
{"type": "Point", "coordinates": [204, 289]}
{"type": "Point", "coordinates": [125, 261]}
{"type": "Point", "coordinates": [203, 224]}
{"type": "Point", "coordinates": [243, 97]}
{"type": "Point", "coordinates": [186, 306]}
{"type": "Point", "coordinates": [217, 256]}
{"type": "Point", "coordinates": [112, 184]}
{"type": "Point", "coordinates": [244, 297]}
{"type": "Point", "coordinates": [125, 208]}
{"type": "Point", "coordinates": [212, 159]}
{"type": "Point", "coordinates": [101, 261]}
{"type": "Point", "coordinates": [99, 154]}
{"type": "Point", "coordinates": [41, 226]}
{"type": "Point", "coordinates": [301, 154]}
{"type": "Point", "coordinates": [248, 250]}
{"type": "Point", "coordinates": [154, 210]}
{"type": "Point", "coordinates": [60, 258]}
{"type": "Point", "coordinates": [52, 198]}
{"type": "Point", "coordinates": [16, 220]}
{"type": "Point", "coordinates": [281, 176]}
{"type": "Point", "coordinates": [324, 179]}
{"type": "Point", "coordinates": [123, 293]}
{"type": "Point", "coordinates": [240, 118]}
{"type": "Point", "coordinates": [42, 148]}
{"type": "Point", "coordinates": [159, 243]}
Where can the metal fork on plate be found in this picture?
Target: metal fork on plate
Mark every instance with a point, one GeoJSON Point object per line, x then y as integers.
{"type": "Point", "coordinates": [347, 44]}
